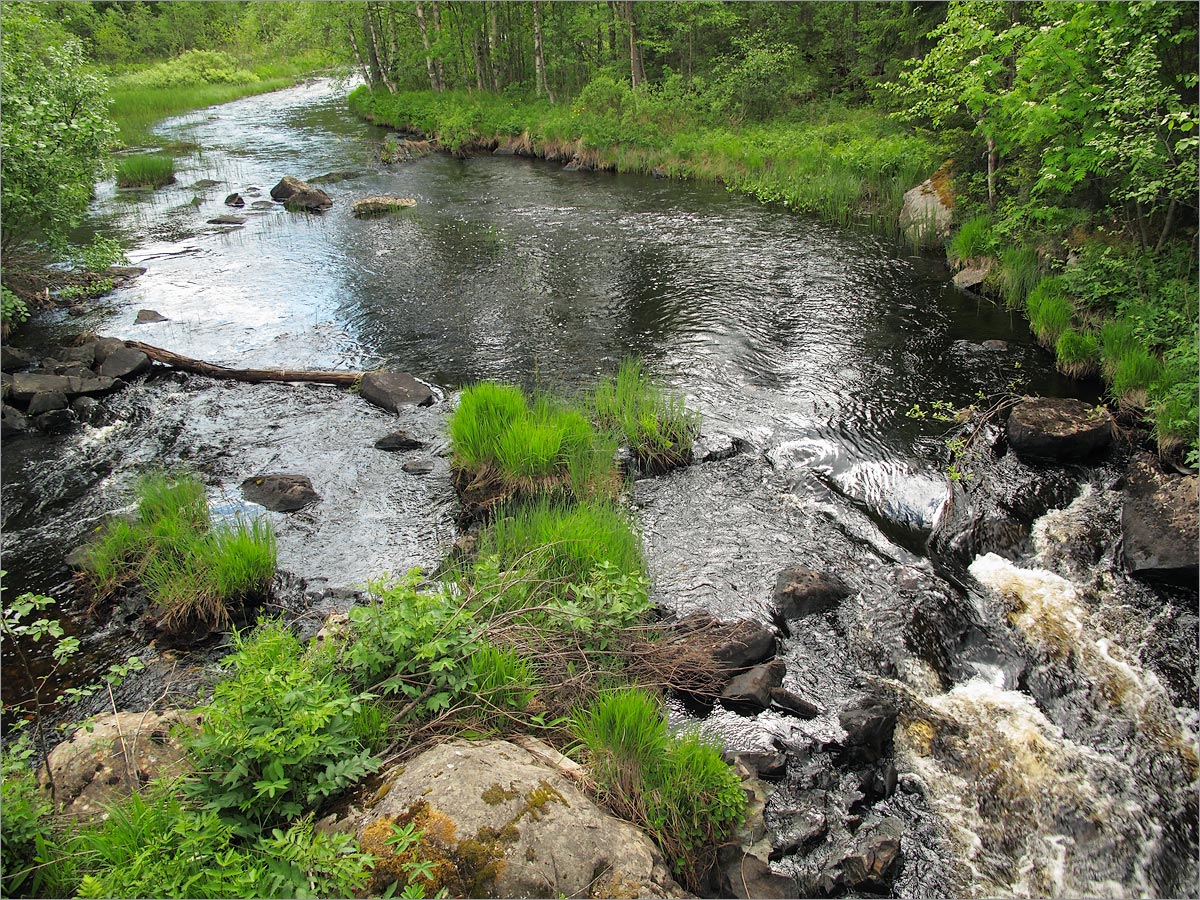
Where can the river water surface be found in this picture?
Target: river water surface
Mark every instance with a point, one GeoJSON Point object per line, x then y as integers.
{"type": "Point", "coordinates": [806, 342]}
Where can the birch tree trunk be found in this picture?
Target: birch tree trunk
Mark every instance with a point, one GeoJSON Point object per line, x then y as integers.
{"type": "Point", "coordinates": [539, 58]}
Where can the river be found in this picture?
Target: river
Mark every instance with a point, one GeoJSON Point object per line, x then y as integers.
{"type": "Point", "coordinates": [806, 342]}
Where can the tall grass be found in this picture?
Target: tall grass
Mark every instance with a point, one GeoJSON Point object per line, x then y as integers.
{"type": "Point", "coordinates": [973, 240]}
{"type": "Point", "coordinates": [1020, 271]}
{"type": "Point", "coordinates": [194, 574]}
{"type": "Point", "coordinates": [1049, 310]}
{"type": "Point", "coordinates": [1078, 353]}
{"type": "Point", "coordinates": [656, 425]}
{"type": "Point", "coordinates": [145, 170]}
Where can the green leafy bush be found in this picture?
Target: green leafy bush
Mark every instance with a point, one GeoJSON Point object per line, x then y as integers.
{"type": "Point", "coordinates": [145, 170]}
{"type": "Point", "coordinates": [677, 787]}
{"type": "Point", "coordinates": [158, 846]}
{"type": "Point", "coordinates": [34, 857]}
{"type": "Point", "coordinates": [190, 68]}
{"type": "Point", "coordinates": [277, 738]}
{"type": "Point", "coordinates": [13, 310]}
{"type": "Point", "coordinates": [194, 573]}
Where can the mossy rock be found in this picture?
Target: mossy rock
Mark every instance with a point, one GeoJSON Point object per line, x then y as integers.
{"type": "Point", "coordinates": [381, 206]}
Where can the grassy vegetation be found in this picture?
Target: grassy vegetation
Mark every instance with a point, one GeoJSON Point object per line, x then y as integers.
{"type": "Point", "coordinates": [145, 170]}
{"type": "Point", "coordinates": [197, 575]}
{"type": "Point", "coordinates": [676, 787]}
{"type": "Point", "coordinates": [656, 424]}
{"type": "Point", "coordinates": [194, 80]}
{"type": "Point", "coordinates": [845, 165]}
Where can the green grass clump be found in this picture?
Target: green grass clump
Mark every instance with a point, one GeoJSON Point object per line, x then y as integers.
{"type": "Point", "coordinates": [1020, 272]}
{"type": "Point", "coordinates": [656, 425]}
{"type": "Point", "coordinates": [1134, 375]}
{"type": "Point", "coordinates": [1078, 353]}
{"type": "Point", "coordinates": [973, 240]}
{"type": "Point", "coordinates": [195, 574]}
{"type": "Point", "coordinates": [1050, 311]}
{"type": "Point", "coordinates": [145, 170]}
{"type": "Point", "coordinates": [678, 788]}
{"type": "Point", "coordinates": [563, 542]}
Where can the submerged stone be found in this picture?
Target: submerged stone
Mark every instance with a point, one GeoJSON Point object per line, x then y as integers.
{"type": "Point", "coordinates": [280, 493]}
{"type": "Point", "coordinates": [800, 592]}
{"type": "Point", "coordinates": [398, 440]}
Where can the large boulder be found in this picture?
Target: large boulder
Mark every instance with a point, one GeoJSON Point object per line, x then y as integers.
{"type": "Point", "coordinates": [113, 755]}
{"type": "Point", "coordinates": [1058, 428]}
{"type": "Point", "coordinates": [125, 362]}
{"type": "Point", "coordinates": [280, 493]}
{"type": "Point", "coordinates": [394, 390]}
{"type": "Point", "coordinates": [299, 195]}
{"type": "Point", "coordinates": [25, 385]}
{"type": "Point", "coordinates": [13, 359]}
{"type": "Point", "coordinates": [1159, 522]}
{"type": "Point", "coordinates": [12, 421]}
{"type": "Point", "coordinates": [751, 690]}
{"type": "Point", "coordinates": [803, 592]}
{"type": "Point", "coordinates": [927, 213]}
{"type": "Point", "coordinates": [501, 821]}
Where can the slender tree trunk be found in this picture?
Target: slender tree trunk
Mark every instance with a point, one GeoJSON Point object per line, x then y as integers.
{"type": "Point", "coordinates": [1143, 228]}
{"type": "Point", "coordinates": [429, 67]}
{"type": "Point", "coordinates": [371, 54]}
{"type": "Point", "coordinates": [374, 44]}
{"type": "Point", "coordinates": [539, 59]}
{"type": "Point", "coordinates": [636, 73]}
{"type": "Point", "coordinates": [1167, 226]}
{"type": "Point", "coordinates": [612, 30]}
{"type": "Point", "coordinates": [437, 35]}
{"type": "Point", "coordinates": [358, 57]}
{"type": "Point", "coordinates": [991, 170]}
{"type": "Point", "coordinates": [494, 45]}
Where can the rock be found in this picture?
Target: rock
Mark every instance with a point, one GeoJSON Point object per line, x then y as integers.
{"type": "Point", "coordinates": [793, 704]}
{"type": "Point", "coordinates": [125, 362]}
{"type": "Point", "coordinates": [87, 409]}
{"type": "Point", "coordinates": [994, 345]}
{"type": "Point", "coordinates": [872, 855]}
{"type": "Point", "coordinates": [25, 385]}
{"type": "Point", "coordinates": [146, 316]}
{"type": "Point", "coordinates": [418, 467]}
{"type": "Point", "coordinates": [658, 172]}
{"type": "Point", "coordinates": [870, 725]}
{"type": "Point", "coordinates": [576, 166]}
{"type": "Point", "coordinates": [504, 823]}
{"type": "Point", "coordinates": [803, 592]}
{"type": "Point", "coordinates": [105, 346]}
{"type": "Point", "coordinates": [376, 206]}
{"type": "Point", "coordinates": [973, 276]}
{"type": "Point", "coordinates": [125, 274]}
{"type": "Point", "coordinates": [46, 402]}
{"type": "Point", "coordinates": [1159, 522]}
{"type": "Point", "coordinates": [12, 421]}
{"type": "Point", "coordinates": [56, 421]}
{"type": "Point", "coordinates": [398, 440]}
{"type": "Point", "coordinates": [734, 646]}
{"type": "Point", "coordinates": [751, 690]}
{"type": "Point", "coordinates": [745, 875]}
{"type": "Point", "coordinates": [280, 493]}
{"type": "Point", "coordinates": [394, 390]}
{"type": "Point", "coordinates": [83, 355]}
{"type": "Point", "coordinates": [761, 763]}
{"type": "Point", "coordinates": [928, 211]}
{"type": "Point", "coordinates": [121, 753]}
{"type": "Point", "coordinates": [298, 195]}
{"type": "Point", "coordinates": [335, 626]}
{"type": "Point", "coordinates": [204, 184]}
{"type": "Point", "coordinates": [333, 177]}
{"type": "Point", "coordinates": [14, 360]}
{"type": "Point", "coordinates": [262, 204]}
{"type": "Point", "coordinates": [1058, 428]}
{"type": "Point", "coordinates": [716, 446]}
{"type": "Point", "coordinates": [235, 200]}
{"type": "Point", "coordinates": [228, 220]}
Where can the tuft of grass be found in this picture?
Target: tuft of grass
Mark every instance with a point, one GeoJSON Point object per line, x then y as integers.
{"type": "Point", "coordinates": [1118, 339]}
{"type": "Point", "coordinates": [973, 240]}
{"type": "Point", "coordinates": [1134, 375]}
{"type": "Point", "coordinates": [1020, 272]}
{"type": "Point", "coordinates": [1050, 311]}
{"type": "Point", "coordinates": [145, 170]}
{"type": "Point", "coordinates": [656, 425]}
{"type": "Point", "coordinates": [194, 574]}
{"type": "Point", "coordinates": [559, 542]}
{"type": "Point", "coordinates": [678, 788]}
{"type": "Point", "coordinates": [1078, 353]}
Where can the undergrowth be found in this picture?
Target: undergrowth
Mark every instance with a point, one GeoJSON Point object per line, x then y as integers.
{"type": "Point", "coordinates": [145, 170]}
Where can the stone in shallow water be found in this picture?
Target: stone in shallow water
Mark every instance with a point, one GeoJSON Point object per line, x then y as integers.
{"type": "Point", "coordinates": [1058, 428]}
{"type": "Point", "coordinates": [377, 206]}
{"type": "Point", "coordinates": [280, 493]}
{"type": "Point", "coordinates": [803, 592]}
{"type": "Point", "coordinates": [125, 362]}
{"type": "Point", "coordinates": [146, 316]}
{"type": "Point", "coordinates": [1159, 522]}
{"type": "Point", "coordinates": [394, 390]}
{"type": "Point", "coordinates": [418, 467]}
{"type": "Point", "coordinates": [46, 402]}
{"type": "Point", "coordinates": [398, 440]}
{"type": "Point", "coordinates": [751, 691]}
{"type": "Point", "coordinates": [228, 220]}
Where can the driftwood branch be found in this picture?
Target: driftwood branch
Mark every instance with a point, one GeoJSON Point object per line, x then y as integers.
{"type": "Point", "coordinates": [253, 376]}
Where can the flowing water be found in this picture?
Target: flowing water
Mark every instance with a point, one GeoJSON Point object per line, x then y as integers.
{"type": "Point", "coordinates": [1047, 702]}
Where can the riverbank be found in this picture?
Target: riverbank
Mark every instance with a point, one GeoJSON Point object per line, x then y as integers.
{"type": "Point", "coordinates": [146, 95]}
{"type": "Point", "coordinates": [848, 166]}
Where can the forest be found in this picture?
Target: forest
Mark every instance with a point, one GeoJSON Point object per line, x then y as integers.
{"type": "Point", "coordinates": [1061, 142]}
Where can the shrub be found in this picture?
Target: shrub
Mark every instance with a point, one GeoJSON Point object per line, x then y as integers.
{"type": "Point", "coordinates": [195, 574]}
{"type": "Point", "coordinates": [145, 170]}
{"type": "Point", "coordinates": [34, 860]}
{"type": "Point", "coordinates": [1175, 400]}
{"type": "Point", "coordinates": [657, 426]}
{"type": "Point", "coordinates": [157, 846]}
{"type": "Point", "coordinates": [677, 788]}
{"type": "Point", "coordinates": [277, 737]}
{"type": "Point", "coordinates": [1078, 353]}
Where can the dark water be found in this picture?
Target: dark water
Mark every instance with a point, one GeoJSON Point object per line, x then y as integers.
{"type": "Point", "coordinates": [807, 342]}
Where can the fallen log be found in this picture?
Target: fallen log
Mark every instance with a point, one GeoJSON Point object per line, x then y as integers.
{"type": "Point", "coordinates": [252, 376]}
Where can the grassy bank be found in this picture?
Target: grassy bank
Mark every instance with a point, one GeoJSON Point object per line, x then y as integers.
{"type": "Point", "coordinates": [1105, 308]}
{"type": "Point", "coordinates": [850, 166]}
{"type": "Point", "coordinates": [144, 96]}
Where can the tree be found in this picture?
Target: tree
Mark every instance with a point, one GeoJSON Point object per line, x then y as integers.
{"type": "Point", "coordinates": [55, 134]}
